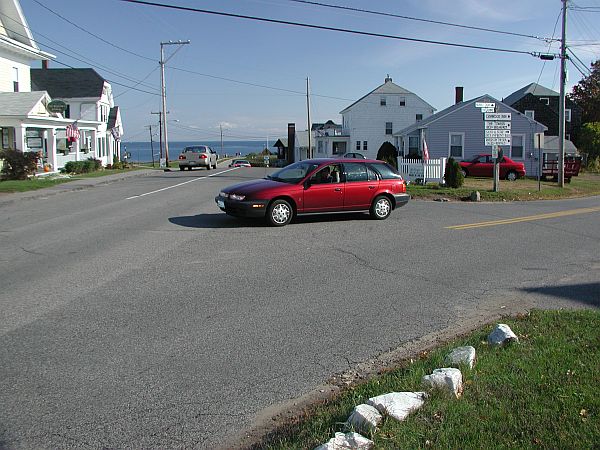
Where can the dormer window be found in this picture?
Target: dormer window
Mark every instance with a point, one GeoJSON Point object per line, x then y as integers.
{"type": "Point", "coordinates": [383, 101]}
{"type": "Point", "coordinates": [545, 100]}
{"type": "Point", "coordinates": [530, 114]}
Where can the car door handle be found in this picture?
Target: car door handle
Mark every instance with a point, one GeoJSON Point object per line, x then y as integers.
{"type": "Point", "coordinates": [371, 187]}
{"type": "Point", "coordinates": [338, 189]}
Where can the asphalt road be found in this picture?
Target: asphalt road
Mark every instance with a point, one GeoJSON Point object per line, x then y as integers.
{"type": "Point", "coordinates": [137, 314]}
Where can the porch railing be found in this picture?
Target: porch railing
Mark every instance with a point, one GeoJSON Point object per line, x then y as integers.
{"type": "Point", "coordinates": [416, 169]}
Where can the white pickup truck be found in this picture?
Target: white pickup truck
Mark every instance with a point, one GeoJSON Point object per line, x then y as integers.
{"type": "Point", "coordinates": [198, 156]}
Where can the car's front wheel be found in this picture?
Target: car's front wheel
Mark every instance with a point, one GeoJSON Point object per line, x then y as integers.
{"type": "Point", "coordinates": [280, 213]}
{"type": "Point", "coordinates": [381, 208]}
{"type": "Point", "coordinates": [464, 173]}
{"type": "Point", "coordinates": [512, 176]}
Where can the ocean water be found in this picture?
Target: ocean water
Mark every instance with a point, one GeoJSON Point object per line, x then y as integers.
{"type": "Point", "coordinates": [141, 152]}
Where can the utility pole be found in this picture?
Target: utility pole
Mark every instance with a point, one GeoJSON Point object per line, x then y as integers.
{"type": "Point", "coordinates": [221, 127]}
{"type": "Point", "coordinates": [163, 90]}
{"type": "Point", "coordinates": [561, 114]}
{"type": "Point", "coordinates": [151, 144]}
{"type": "Point", "coordinates": [160, 136]}
{"type": "Point", "coordinates": [308, 152]}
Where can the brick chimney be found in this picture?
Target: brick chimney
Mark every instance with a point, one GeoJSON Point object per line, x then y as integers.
{"type": "Point", "coordinates": [458, 94]}
{"type": "Point", "coordinates": [45, 64]}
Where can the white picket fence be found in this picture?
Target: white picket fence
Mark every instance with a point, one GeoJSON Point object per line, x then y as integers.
{"type": "Point", "coordinates": [415, 169]}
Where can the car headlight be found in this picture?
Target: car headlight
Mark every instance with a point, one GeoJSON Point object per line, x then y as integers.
{"type": "Point", "coordinates": [224, 194]}
{"type": "Point", "coordinates": [237, 197]}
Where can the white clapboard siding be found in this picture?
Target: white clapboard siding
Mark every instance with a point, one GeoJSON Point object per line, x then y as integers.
{"type": "Point", "coordinates": [412, 169]}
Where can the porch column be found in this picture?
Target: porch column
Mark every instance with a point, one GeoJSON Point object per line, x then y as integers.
{"type": "Point", "coordinates": [20, 137]}
{"type": "Point", "coordinates": [51, 149]}
{"type": "Point", "coordinates": [95, 150]}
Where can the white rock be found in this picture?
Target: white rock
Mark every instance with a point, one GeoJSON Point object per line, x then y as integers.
{"type": "Point", "coordinates": [502, 334]}
{"type": "Point", "coordinates": [347, 441]}
{"type": "Point", "coordinates": [398, 404]}
{"type": "Point", "coordinates": [364, 418]}
{"type": "Point", "coordinates": [447, 380]}
{"type": "Point", "coordinates": [462, 355]}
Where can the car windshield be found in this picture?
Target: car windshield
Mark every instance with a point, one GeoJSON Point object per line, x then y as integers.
{"type": "Point", "coordinates": [293, 173]}
{"type": "Point", "coordinates": [193, 149]}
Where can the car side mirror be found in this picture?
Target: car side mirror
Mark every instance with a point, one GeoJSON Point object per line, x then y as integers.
{"type": "Point", "coordinates": [307, 183]}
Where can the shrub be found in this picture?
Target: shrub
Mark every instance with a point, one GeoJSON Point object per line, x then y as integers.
{"type": "Point", "coordinates": [387, 152]}
{"type": "Point", "coordinates": [453, 174]}
{"type": "Point", "coordinates": [18, 165]}
{"type": "Point", "coordinates": [89, 165]}
{"type": "Point", "coordinates": [593, 165]}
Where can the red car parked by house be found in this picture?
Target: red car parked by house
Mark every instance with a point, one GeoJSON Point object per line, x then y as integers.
{"type": "Point", "coordinates": [318, 186]}
{"type": "Point", "coordinates": [483, 166]}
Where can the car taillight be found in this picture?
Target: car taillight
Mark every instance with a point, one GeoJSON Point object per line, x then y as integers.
{"type": "Point", "coordinates": [203, 156]}
{"type": "Point", "coordinates": [181, 157]}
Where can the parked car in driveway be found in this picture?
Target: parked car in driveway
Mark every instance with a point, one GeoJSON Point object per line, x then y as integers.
{"type": "Point", "coordinates": [354, 155]}
{"type": "Point", "coordinates": [318, 186]}
{"type": "Point", "coordinates": [240, 163]}
{"type": "Point", "coordinates": [198, 156]}
{"type": "Point", "coordinates": [483, 166]}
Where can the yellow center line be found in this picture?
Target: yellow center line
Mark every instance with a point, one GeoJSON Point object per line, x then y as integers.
{"type": "Point", "coordinates": [525, 219]}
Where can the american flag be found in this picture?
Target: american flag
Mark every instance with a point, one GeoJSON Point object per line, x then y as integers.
{"type": "Point", "coordinates": [73, 131]}
{"type": "Point", "coordinates": [425, 151]}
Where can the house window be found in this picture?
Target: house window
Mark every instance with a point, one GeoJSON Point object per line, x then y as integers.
{"type": "Point", "coordinates": [382, 101]}
{"type": "Point", "coordinates": [545, 100]}
{"type": "Point", "coordinates": [320, 147]}
{"type": "Point", "coordinates": [567, 115]}
{"type": "Point", "coordinates": [16, 79]}
{"type": "Point", "coordinates": [418, 117]}
{"type": "Point", "coordinates": [388, 128]}
{"type": "Point", "coordinates": [568, 137]}
{"type": "Point", "coordinates": [358, 145]}
{"type": "Point", "coordinates": [364, 145]}
{"type": "Point", "coordinates": [457, 144]}
{"type": "Point", "coordinates": [402, 101]}
{"type": "Point", "coordinates": [413, 146]}
{"type": "Point", "coordinates": [67, 112]}
{"type": "Point", "coordinates": [529, 113]}
{"type": "Point", "coordinates": [517, 147]}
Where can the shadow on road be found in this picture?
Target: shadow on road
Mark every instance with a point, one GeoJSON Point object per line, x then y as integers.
{"type": "Point", "coordinates": [222, 220]}
{"type": "Point", "coordinates": [588, 293]}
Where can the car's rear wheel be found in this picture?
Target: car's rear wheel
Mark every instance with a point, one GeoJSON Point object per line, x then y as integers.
{"type": "Point", "coordinates": [209, 166]}
{"type": "Point", "coordinates": [280, 213]}
{"type": "Point", "coordinates": [512, 175]}
{"type": "Point", "coordinates": [381, 207]}
{"type": "Point", "coordinates": [181, 167]}
{"type": "Point", "coordinates": [464, 173]}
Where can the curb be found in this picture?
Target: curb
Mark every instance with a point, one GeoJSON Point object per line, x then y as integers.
{"type": "Point", "coordinates": [71, 186]}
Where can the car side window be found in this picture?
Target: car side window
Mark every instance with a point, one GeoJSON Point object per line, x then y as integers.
{"type": "Point", "coordinates": [355, 172]}
{"type": "Point", "coordinates": [372, 174]}
{"type": "Point", "coordinates": [386, 171]}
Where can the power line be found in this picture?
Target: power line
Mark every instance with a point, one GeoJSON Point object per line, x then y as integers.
{"type": "Point", "coordinates": [437, 22]}
{"type": "Point", "coordinates": [326, 28]}
{"type": "Point", "coordinates": [92, 34]}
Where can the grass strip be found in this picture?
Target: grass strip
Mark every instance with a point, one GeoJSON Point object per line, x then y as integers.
{"type": "Point", "coordinates": [541, 392]}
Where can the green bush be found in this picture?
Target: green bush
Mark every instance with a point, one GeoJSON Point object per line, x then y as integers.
{"type": "Point", "coordinates": [87, 166]}
{"type": "Point", "coordinates": [18, 165]}
{"type": "Point", "coordinates": [593, 165]}
{"type": "Point", "coordinates": [453, 174]}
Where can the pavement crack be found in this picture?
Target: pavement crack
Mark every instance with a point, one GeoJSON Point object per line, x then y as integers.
{"type": "Point", "coordinates": [365, 263]}
{"type": "Point", "coordinates": [32, 252]}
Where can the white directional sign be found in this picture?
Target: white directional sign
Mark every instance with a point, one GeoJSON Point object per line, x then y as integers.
{"type": "Point", "coordinates": [497, 116]}
{"type": "Point", "coordinates": [486, 110]}
{"type": "Point", "coordinates": [497, 141]}
{"type": "Point", "coordinates": [497, 133]}
{"type": "Point", "coordinates": [497, 125]}
{"type": "Point", "coordinates": [484, 105]}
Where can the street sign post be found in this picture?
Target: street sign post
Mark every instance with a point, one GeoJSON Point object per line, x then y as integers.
{"type": "Point", "coordinates": [485, 105]}
{"type": "Point", "coordinates": [489, 125]}
{"type": "Point", "coordinates": [497, 116]}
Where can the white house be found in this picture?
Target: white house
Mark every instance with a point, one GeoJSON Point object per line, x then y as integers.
{"type": "Point", "coordinates": [28, 123]}
{"type": "Point", "coordinates": [373, 120]}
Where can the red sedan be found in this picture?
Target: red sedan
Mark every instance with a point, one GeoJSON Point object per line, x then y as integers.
{"type": "Point", "coordinates": [483, 166]}
{"type": "Point", "coordinates": [318, 186]}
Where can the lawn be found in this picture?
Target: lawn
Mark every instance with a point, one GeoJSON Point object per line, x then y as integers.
{"type": "Point", "coordinates": [585, 184]}
{"type": "Point", "coordinates": [541, 392]}
{"type": "Point", "coordinates": [35, 183]}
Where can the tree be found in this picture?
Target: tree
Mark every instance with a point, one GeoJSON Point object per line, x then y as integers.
{"type": "Point", "coordinates": [387, 152]}
{"type": "Point", "coordinates": [586, 94]}
{"type": "Point", "coordinates": [18, 165]}
{"type": "Point", "coordinates": [589, 140]}
{"type": "Point", "coordinates": [453, 174]}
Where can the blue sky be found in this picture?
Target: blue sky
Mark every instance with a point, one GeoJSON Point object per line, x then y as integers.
{"type": "Point", "coordinates": [215, 80]}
